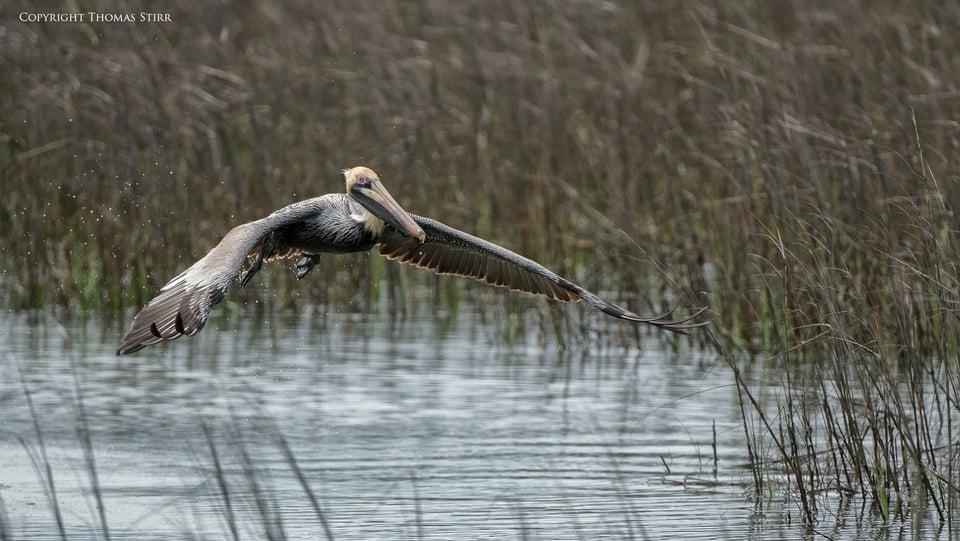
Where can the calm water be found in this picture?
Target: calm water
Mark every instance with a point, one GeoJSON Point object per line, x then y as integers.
{"type": "Point", "coordinates": [409, 430]}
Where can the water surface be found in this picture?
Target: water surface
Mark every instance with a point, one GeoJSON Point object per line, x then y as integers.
{"type": "Point", "coordinates": [413, 429]}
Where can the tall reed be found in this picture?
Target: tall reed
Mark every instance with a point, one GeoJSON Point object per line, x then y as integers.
{"type": "Point", "coordinates": [792, 164]}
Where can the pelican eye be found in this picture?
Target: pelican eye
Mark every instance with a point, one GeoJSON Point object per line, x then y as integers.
{"type": "Point", "coordinates": [364, 181]}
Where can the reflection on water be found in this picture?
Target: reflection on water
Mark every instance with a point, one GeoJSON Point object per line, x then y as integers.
{"type": "Point", "coordinates": [412, 430]}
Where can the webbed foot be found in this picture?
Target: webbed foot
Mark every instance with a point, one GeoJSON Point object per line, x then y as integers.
{"type": "Point", "coordinates": [306, 263]}
{"type": "Point", "coordinates": [255, 266]}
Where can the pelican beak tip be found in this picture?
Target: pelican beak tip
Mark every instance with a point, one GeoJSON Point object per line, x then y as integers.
{"type": "Point", "coordinates": [421, 236]}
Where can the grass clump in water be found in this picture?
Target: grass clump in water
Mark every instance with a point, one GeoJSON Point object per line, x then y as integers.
{"type": "Point", "coordinates": [793, 166]}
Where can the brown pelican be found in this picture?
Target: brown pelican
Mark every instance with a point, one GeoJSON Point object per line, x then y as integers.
{"type": "Point", "coordinates": [364, 217]}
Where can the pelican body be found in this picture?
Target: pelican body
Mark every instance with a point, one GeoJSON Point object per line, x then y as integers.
{"type": "Point", "coordinates": [364, 217]}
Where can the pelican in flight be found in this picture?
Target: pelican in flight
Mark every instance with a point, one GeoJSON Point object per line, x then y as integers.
{"type": "Point", "coordinates": [364, 217]}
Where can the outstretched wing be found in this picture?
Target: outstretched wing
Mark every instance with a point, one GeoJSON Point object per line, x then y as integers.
{"type": "Point", "coordinates": [449, 251]}
{"type": "Point", "coordinates": [183, 305]}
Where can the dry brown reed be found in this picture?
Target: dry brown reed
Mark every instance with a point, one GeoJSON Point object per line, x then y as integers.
{"type": "Point", "coordinates": [792, 164]}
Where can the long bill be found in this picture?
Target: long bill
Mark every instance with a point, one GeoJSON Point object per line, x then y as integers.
{"type": "Point", "coordinates": [381, 204]}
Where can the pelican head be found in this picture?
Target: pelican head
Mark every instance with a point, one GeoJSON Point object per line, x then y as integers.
{"type": "Point", "coordinates": [364, 187]}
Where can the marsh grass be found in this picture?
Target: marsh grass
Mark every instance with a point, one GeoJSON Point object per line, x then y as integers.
{"type": "Point", "coordinates": [41, 463]}
{"type": "Point", "coordinates": [793, 165]}
{"type": "Point", "coordinates": [243, 484]}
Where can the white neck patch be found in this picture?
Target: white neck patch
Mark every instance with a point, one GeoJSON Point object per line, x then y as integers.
{"type": "Point", "coordinates": [370, 222]}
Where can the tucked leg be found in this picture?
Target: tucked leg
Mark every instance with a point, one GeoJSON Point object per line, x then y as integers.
{"type": "Point", "coordinates": [306, 263]}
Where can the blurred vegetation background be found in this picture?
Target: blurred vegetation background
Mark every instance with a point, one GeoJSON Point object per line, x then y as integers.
{"type": "Point", "coordinates": [793, 164]}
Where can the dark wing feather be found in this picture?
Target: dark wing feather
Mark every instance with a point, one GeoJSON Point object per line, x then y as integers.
{"type": "Point", "coordinates": [450, 251]}
{"type": "Point", "coordinates": [184, 303]}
